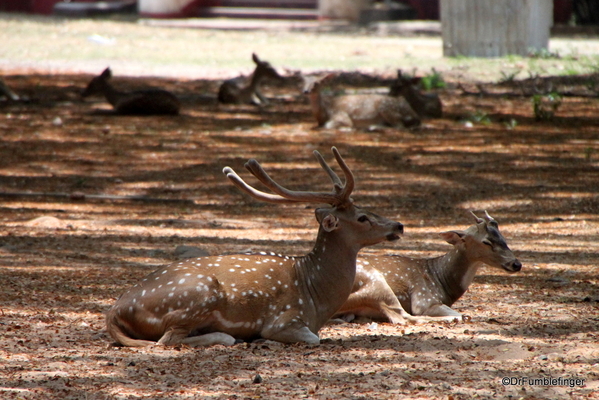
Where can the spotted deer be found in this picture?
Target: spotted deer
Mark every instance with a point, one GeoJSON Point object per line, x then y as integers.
{"type": "Point", "coordinates": [138, 102]}
{"type": "Point", "coordinates": [427, 286]}
{"type": "Point", "coordinates": [222, 299]}
{"type": "Point", "coordinates": [357, 110]}
{"type": "Point", "coordinates": [425, 104]}
{"type": "Point", "coordinates": [232, 91]}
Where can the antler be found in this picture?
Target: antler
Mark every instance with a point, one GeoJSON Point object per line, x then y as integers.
{"type": "Point", "coordinates": [339, 196]}
{"type": "Point", "coordinates": [490, 220]}
{"type": "Point", "coordinates": [478, 220]}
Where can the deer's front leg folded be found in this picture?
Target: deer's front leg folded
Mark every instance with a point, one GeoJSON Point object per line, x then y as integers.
{"type": "Point", "coordinates": [220, 299]}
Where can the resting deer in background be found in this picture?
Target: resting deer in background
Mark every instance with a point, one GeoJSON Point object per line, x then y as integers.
{"type": "Point", "coordinates": [232, 91]}
{"type": "Point", "coordinates": [357, 110]}
{"type": "Point", "coordinates": [138, 102]}
{"type": "Point", "coordinates": [221, 299]}
{"type": "Point", "coordinates": [428, 286]}
{"type": "Point", "coordinates": [425, 104]}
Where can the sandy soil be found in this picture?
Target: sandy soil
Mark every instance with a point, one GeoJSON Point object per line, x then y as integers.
{"type": "Point", "coordinates": [64, 259]}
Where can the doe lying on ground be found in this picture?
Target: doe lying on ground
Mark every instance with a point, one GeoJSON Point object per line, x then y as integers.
{"type": "Point", "coordinates": [221, 299]}
{"type": "Point", "coordinates": [233, 91]}
{"type": "Point", "coordinates": [357, 110]}
{"type": "Point", "coordinates": [138, 102]}
{"type": "Point", "coordinates": [428, 286]}
{"type": "Point", "coordinates": [425, 104]}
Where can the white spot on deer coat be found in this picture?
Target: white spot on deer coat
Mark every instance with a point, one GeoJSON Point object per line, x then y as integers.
{"type": "Point", "coordinates": [153, 321]}
{"type": "Point", "coordinates": [226, 323]}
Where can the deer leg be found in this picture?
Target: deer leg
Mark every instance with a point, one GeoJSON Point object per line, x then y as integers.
{"type": "Point", "coordinates": [393, 314]}
{"type": "Point", "coordinates": [391, 118]}
{"type": "Point", "coordinates": [262, 100]}
{"type": "Point", "coordinates": [209, 339]}
{"type": "Point", "coordinates": [173, 336]}
{"type": "Point", "coordinates": [401, 316]}
{"type": "Point", "coordinates": [291, 334]}
{"type": "Point", "coordinates": [374, 299]}
{"type": "Point", "coordinates": [339, 120]}
{"type": "Point", "coordinates": [441, 312]}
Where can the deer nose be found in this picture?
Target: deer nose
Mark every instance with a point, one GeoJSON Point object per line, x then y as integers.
{"type": "Point", "coordinates": [398, 230]}
{"type": "Point", "coordinates": [399, 227]}
{"type": "Point", "coordinates": [514, 266]}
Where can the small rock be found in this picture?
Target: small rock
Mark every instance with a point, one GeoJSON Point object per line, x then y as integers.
{"type": "Point", "coordinates": [57, 121]}
{"type": "Point", "coordinates": [373, 326]}
{"type": "Point", "coordinates": [257, 379]}
{"type": "Point", "coordinates": [45, 222]}
{"type": "Point", "coordinates": [554, 357]}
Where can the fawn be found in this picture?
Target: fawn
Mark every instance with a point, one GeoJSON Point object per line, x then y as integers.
{"type": "Point", "coordinates": [428, 286]}
{"type": "Point", "coordinates": [357, 110]}
{"type": "Point", "coordinates": [138, 102]}
{"type": "Point", "coordinates": [221, 299]}
{"type": "Point", "coordinates": [232, 91]}
{"type": "Point", "coordinates": [425, 104]}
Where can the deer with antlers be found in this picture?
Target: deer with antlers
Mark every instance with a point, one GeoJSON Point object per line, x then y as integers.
{"type": "Point", "coordinates": [428, 286]}
{"type": "Point", "coordinates": [221, 299]}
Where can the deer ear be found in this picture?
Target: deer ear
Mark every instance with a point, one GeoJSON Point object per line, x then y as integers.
{"type": "Point", "coordinates": [453, 237]}
{"type": "Point", "coordinates": [107, 73]}
{"type": "Point", "coordinates": [330, 223]}
{"type": "Point", "coordinates": [255, 58]}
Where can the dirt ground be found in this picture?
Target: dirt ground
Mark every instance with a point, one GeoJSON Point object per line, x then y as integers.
{"type": "Point", "coordinates": [64, 259]}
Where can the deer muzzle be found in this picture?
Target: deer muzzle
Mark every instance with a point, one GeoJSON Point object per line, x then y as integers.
{"type": "Point", "coordinates": [512, 266]}
{"type": "Point", "coordinates": [398, 228]}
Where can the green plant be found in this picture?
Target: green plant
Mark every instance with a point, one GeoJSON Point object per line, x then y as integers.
{"type": "Point", "coordinates": [479, 117]}
{"type": "Point", "coordinates": [508, 77]}
{"type": "Point", "coordinates": [545, 106]}
{"type": "Point", "coordinates": [511, 124]}
{"type": "Point", "coordinates": [543, 54]}
{"type": "Point", "coordinates": [434, 80]}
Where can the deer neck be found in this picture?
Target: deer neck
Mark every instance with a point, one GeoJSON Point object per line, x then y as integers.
{"type": "Point", "coordinates": [326, 275]}
{"type": "Point", "coordinates": [113, 95]}
{"type": "Point", "coordinates": [453, 272]}
{"type": "Point", "coordinates": [415, 99]}
{"type": "Point", "coordinates": [255, 81]}
{"type": "Point", "coordinates": [320, 107]}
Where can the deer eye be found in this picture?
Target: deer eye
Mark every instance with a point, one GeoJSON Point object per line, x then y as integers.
{"type": "Point", "coordinates": [363, 218]}
{"type": "Point", "coordinates": [488, 243]}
